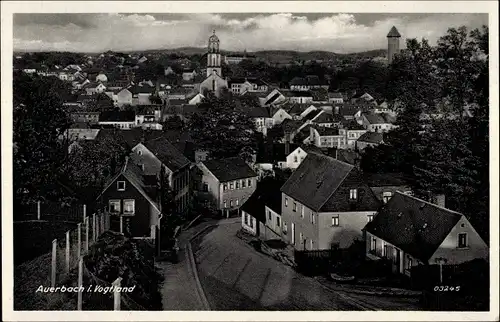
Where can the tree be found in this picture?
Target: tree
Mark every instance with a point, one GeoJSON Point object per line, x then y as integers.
{"type": "Point", "coordinates": [222, 129]}
{"type": "Point", "coordinates": [39, 122]}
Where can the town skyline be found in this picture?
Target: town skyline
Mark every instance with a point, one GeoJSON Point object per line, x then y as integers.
{"type": "Point", "coordinates": [341, 33]}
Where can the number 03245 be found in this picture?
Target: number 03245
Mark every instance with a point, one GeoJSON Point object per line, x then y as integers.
{"type": "Point", "coordinates": [446, 288]}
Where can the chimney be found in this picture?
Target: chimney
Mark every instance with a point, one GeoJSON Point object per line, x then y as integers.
{"type": "Point", "coordinates": [440, 200]}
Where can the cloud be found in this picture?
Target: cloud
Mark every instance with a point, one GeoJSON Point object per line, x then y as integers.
{"type": "Point", "coordinates": [335, 32]}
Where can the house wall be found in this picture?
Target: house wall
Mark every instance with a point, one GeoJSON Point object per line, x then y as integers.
{"type": "Point", "coordinates": [152, 165]}
{"type": "Point", "coordinates": [249, 223]}
{"type": "Point", "coordinates": [238, 196]}
{"type": "Point", "coordinates": [294, 159]}
{"type": "Point", "coordinates": [124, 97]}
{"type": "Point", "coordinates": [140, 223]}
{"type": "Point", "coordinates": [272, 223]}
{"type": "Point", "coordinates": [213, 185]}
{"type": "Point", "coordinates": [350, 228]}
{"type": "Point", "coordinates": [399, 267]}
{"type": "Point", "coordinates": [352, 136]}
{"type": "Point", "coordinates": [301, 218]}
{"type": "Point", "coordinates": [448, 249]}
{"type": "Point", "coordinates": [196, 100]}
{"type": "Point", "coordinates": [280, 116]}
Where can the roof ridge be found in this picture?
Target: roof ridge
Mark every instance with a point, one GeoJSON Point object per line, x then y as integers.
{"type": "Point", "coordinates": [429, 203]}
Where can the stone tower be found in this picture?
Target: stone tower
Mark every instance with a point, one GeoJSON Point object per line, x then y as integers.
{"type": "Point", "coordinates": [392, 43]}
{"type": "Point", "coordinates": [213, 56]}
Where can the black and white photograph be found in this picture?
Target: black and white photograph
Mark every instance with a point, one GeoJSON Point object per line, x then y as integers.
{"type": "Point", "coordinates": [241, 160]}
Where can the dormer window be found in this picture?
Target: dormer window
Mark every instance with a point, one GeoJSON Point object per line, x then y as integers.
{"type": "Point", "coordinates": [120, 185]}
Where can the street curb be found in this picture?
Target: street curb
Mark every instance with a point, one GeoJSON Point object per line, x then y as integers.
{"type": "Point", "coordinates": [199, 287]}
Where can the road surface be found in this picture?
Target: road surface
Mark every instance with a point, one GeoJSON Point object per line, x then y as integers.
{"type": "Point", "coordinates": [236, 277]}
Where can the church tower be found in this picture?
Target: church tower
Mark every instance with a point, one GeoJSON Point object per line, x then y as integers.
{"type": "Point", "coordinates": [213, 56]}
{"type": "Point", "coordinates": [392, 43]}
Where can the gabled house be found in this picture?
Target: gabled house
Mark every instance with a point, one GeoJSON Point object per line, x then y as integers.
{"type": "Point", "coordinates": [335, 98]}
{"type": "Point", "coordinates": [261, 213]}
{"type": "Point", "coordinates": [275, 97]}
{"type": "Point", "coordinates": [352, 131]}
{"type": "Point", "coordinates": [410, 231]}
{"type": "Point", "coordinates": [325, 203]}
{"type": "Point", "coordinates": [300, 97]}
{"type": "Point", "coordinates": [141, 94]}
{"type": "Point", "coordinates": [227, 182]}
{"type": "Point", "coordinates": [327, 119]}
{"type": "Point", "coordinates": [369, 139]}
{"type": "Point", "coordinates": [249, 84]}
{"type": "Point", "coordinates": [94, 88]}
{"type": "Point", "coordinates": [280, 115]}
{"type": "Point", "coordinates": [326, 137]}
{"type": "Point", "coordinates": [124, 97]}
{"type": "Point", "coordinates": [158, 152]}
{"type": "Point", "coordinates": [378, 122]}
{"type": "Point", "coordinates": [132, 204]}
{"type": "Point", "coordinates": [189, 74]}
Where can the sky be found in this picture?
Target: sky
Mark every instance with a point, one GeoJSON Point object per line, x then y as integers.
{"type": "Point", "coordinates": [336, 32]}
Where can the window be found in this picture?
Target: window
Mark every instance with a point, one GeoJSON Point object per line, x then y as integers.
{"type": "Point", "coordinates": [295, 159]}
{"type": "Point", "coordinates": [250, 221]}
{"type": "Point", "coordinates": [353, 194]}
{"type": "Point", "coordinates": [237, 184]}
{"type": "Point", "coordinates": [114, 206]}
{"type": "Point", "coordinates": [269, 215]}
{"type": "Point", "coordinates": [370, 218]}
{"type": "Point", "coordinates": [462, 240]}
{"type": "Point", "coordinates": [409, 262]}
{"type": "Point", "coordinates": [129, 206]}
{"type": "Point", "coordinates": [312, 244]}
{"type": "Point", "coordinates": [120, 185]}
{"type": "Point", "coordinates": [286, 202]}
{"type": "Point", "coordinates": [224, 187]}
{"type": "Point", "coordinates": [294, 206]}
{"type": "Point", "coordinates": [205, 187]}
{"type": "Point", "coordinates": [373, 245]}
{"type": "Point", "coordinates": [249, 182]}
{"type": "Point", "coordinates": [386, 196]}
{"type": "Point", "coordinates": [231, 203]}
{"type": "Point", "coordinates": [139, 152]}
{"type": "Point", "coordinates": [384, 251]}
{"type": "Point", "coordinates": [243, 183]}
{"type": "Point", "coordinates": [301, 237]}
{"type": "Point", "coordinates": [312, 218]}
{"type": "Point", "coordinates": [225, 204]}
{"type": "Point", "coordinates": [142, 167]}
{"type": "Point", "coordinates": [335, 221]}
{"type": "Point", "coordinates": [246, 218]}
{"type": "Point", "coordinates": [278, 223]}
{"type": "Point", "coordinates": [231, 186]}
{"type": "Point", "coordinates": [237, 202]}
{"type": "Point", "coordinates": [285, 228]}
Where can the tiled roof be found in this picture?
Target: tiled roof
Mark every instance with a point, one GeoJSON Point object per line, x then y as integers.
{"type": "Point", "coordinates": [117, 116]}
{"type": "Point", "coordinates": [352, 125]}
{"type": "Point", "coordinates": [229, 169]}
{"type": "Point", "coordinates": [167, 153]}
{"type": "Point", "coordinates": [268, 194]}
{"type": "Point", "coordinates": [327, 131]}
{"type": "Point", "coordinates": [327, 117]}
{"type": "Point", "coordinates": [385, 179]}
{"type": "Point", "coordinates": [279, 151]}
{"type": "Point", "coordinates": [335, 95]}
{"type": "Point", "coordinates": [311, 115]}
{"type": "Point", "coordinates": [259, 111]}
{"type": "Point", "coordinates": [415, 226]}
{"type": "Point", "coordinates": [379, 118]}
{"type": "Point", "coordinates": [371, 137]}
{"type": "Point", "coordinates": [316, 179]}
{"type": "Point", "coordinates": [146, 89]}
{"type": "Point", "coordinates": [287, 93]}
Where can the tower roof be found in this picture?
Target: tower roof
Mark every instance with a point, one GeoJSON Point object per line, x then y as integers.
{"type": "Point", "coordinates": [213, 38]}
{"type": "Point", "coordinates": [393, 33]}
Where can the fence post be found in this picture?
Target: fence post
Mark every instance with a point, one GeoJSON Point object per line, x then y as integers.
{"type": "Point", "coordinates": [84, 211]}
{"type": "Point", "coordinates": [94, 229]}
{"type": "Point", "coordinates": [38, 210]}
{"type": "Point", "coordinates": [80, 284]}
{"type": "Point", "coordinates": [121, 224]}
{"type": "Point", "coordinates": [116, 294]}
{"type": "Point", "coordinates": [86, 234]}
{"type": "Point", "coordinates": [79, 251]}
{"type": "Point", "coordinates": [54, 263]}
{"type": "Point", "coordinates": [67, 251]}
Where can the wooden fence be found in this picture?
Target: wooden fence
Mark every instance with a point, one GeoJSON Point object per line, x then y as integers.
{"type": "Point", "coordinates": [53, 211]}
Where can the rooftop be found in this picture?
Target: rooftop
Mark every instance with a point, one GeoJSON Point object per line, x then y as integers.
{"type": "Point", "coordinates": [229, 169]}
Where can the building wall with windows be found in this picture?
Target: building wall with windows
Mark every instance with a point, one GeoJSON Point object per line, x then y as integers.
{"type": "Point", "coordinates": [401, 261]}
{"type": "Point", "coordinates": [341, 228]}
{"type": "Point", "coordinates": [300, 222]}
{"type": "Point", "coordinates": [294, 159]}
{"type": "Point", "coordinates": [274, 223]}
{"type": "Point", "coordinates": [462, 244]}
{"type": "Point", "coordinates": [234, 193]}
{"type": "Point", "coordinates": [122, 198]}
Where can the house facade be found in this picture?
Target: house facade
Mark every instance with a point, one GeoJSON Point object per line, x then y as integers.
{"type": "Point", "coordinates": [325, 203]}
{"type": "Point", "coordinates": [124, 97]}
{"type": "Point", "coordinates": [131, 203]}
{"type": "Point", "coordinates": [228, 183]}
{"type": "Point", "coordinates": [119, 119]}
{"type": "Point", "coordinates": [152, 155]}
{"type": "Point", "coordinates": [410, 231]}
{"type": "Point", "coordinates": [324, 137]}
